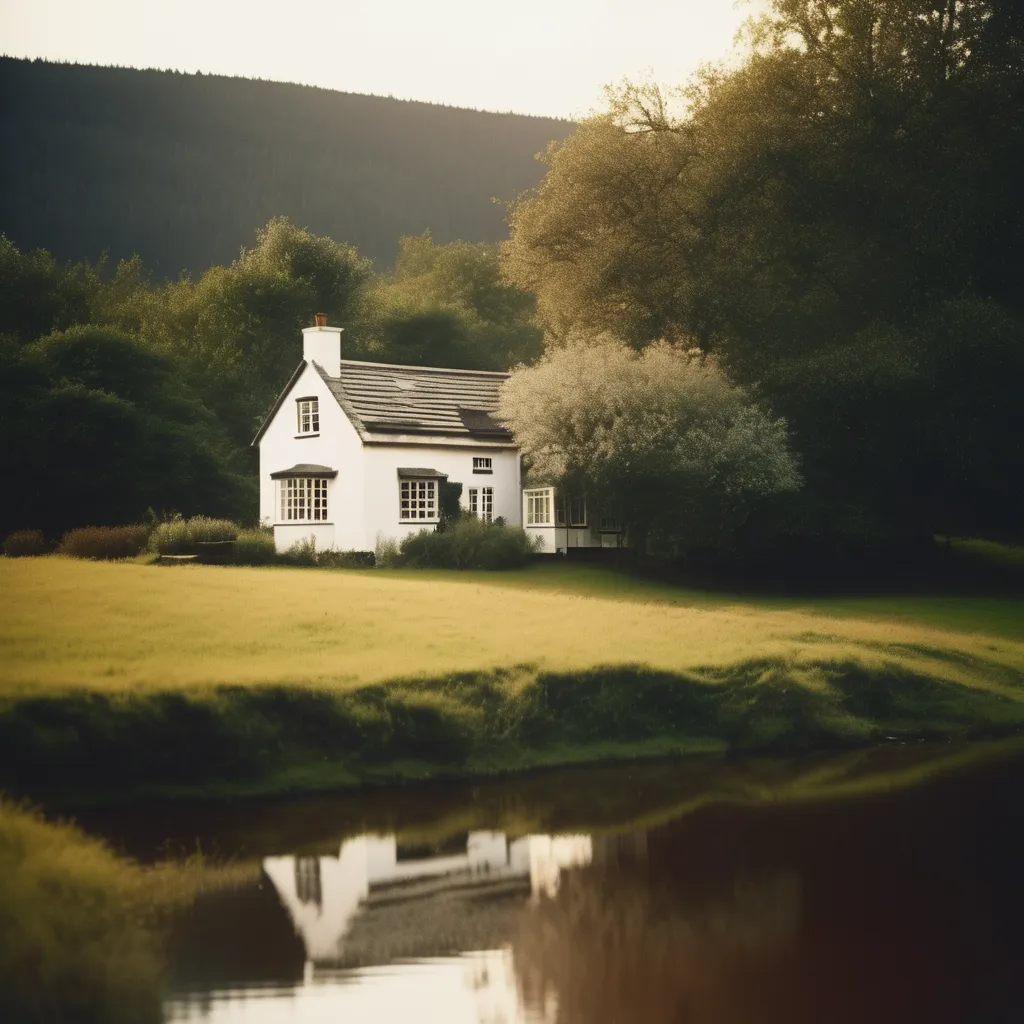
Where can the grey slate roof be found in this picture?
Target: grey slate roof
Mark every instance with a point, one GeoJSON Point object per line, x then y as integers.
{"type": "Point", "coordinates": [304, 469]}
{"type": "Point", "coordinates": [380, 398]}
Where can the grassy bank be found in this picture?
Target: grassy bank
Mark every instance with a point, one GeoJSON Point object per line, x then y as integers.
{"type": "Point", "coordinates": [81, 927]}
{"type": "Point", "coordinates": [119, 678]}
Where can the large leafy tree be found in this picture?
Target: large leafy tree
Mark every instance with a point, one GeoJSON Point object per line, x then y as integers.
{"type": "Point", "coordinates": [850, 180]}
{"type": "Point", "coordinates": [447, 305]}
{"type": "Point", "coordinates": [236, 329]}
{"type": "Point", "coordinates": [95, 429]}
{"type": "Point", "coordinates": [39, 295]}
{"type": "Point", "coordinates": [661, 438]}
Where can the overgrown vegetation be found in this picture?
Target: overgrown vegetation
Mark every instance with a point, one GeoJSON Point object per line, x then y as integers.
{"type": "Point", "coordinates": [23, 543]}
{"type": "Point", "coordinates": [466, 543]}
{"type": "Point", "coordinates": [105, 542]}
{"type": "Point", "coordinates": [255, 547]}
{"type": "Point", "coordinates": [250, 738]}
{"type": "Point", "coordinates": [183, 536]}
{"type": "Point", "coordinates": [81, 927]}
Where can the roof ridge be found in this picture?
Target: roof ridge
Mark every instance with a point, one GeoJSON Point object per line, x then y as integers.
{"type": "Point", "coordinates": [420, 369]}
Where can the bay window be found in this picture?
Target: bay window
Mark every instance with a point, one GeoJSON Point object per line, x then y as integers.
{"type": "Point", "coordinates": [304, 499]}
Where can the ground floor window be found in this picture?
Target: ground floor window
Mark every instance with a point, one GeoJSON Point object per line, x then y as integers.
{"type": "Point", "coordinates": [418, 501]}
{"type": "Point", "coordinates": [577, 511]}
{"type": "Point", "coordinates": [481, 503]}
{"type": "Point", "coordinates": [609, 522]}
{"type": "Point", "coordinates": [538, 507]}
{"type": "Point", "coordinates": [304, 499]}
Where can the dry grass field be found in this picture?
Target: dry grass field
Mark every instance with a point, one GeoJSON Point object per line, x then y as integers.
{"type": "Point", "coordinates": [67, 624]}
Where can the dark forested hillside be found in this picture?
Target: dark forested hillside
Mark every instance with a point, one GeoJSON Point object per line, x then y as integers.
{"type": "Point", "coordinates": [180, 168]}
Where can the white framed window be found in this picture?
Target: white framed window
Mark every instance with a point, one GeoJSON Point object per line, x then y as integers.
{"type": "Point", "coordinates": [483, 464]}
{"type": "Point", "coordinates": [538, 507]}
{"type": "Point", "coordinates": [417, 501]}
{"type": "Point", "coordinates": [304, 499]}
{"type": "Point", "coordinates": [481, 503]}
{"type": "Point", "coordinates": [308, 414]}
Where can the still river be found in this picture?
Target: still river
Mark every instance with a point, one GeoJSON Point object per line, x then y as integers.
{"type": "Point", "coordinates": [874, 887]}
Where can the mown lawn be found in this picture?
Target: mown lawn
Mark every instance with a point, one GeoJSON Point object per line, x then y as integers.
{"type": "Point", "coordinates": [74, 624]}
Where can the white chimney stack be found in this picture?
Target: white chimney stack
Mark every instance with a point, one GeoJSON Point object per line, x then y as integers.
{"type": "Point", "coordinates": [322, 344]}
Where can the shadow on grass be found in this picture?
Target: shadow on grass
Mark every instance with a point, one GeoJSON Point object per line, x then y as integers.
{"type": "Point", "coordinates": [243, 738]}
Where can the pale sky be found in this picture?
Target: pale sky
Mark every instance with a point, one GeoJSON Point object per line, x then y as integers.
{"type": "Point", "coordinates": [531, 56]}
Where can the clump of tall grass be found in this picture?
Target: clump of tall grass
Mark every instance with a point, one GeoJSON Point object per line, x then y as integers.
{"type": "Point", "coordinates": [468, 543]}
{"type": "Point", "coordinates": [181, 536]}
{"type": "Point", "coordinates": [346, 559]}
{"type": "Point", "coordinates": [105, 542]}
{"type": "Point", "coordinates": [255, 547]}
{"type": "Point", "coordinates": [77, 946]}
{"type": "Point", "coordinates": [23, 543]}
{"type": "Point", "coordinates": [302, 552]}
{"type": "Point", "coordinates": [85, 925]}
{"type": "Point", "coordinates": [386, 554]}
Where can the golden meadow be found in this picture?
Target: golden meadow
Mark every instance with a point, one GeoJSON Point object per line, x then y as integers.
{"type": "Point", "coordinates": [133, 679]}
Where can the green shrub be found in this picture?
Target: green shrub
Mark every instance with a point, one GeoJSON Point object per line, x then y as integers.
{"type": "Point", "coordinates": [468, 543]}
{"type": "Point", "coordinates": [302, 552]}
{"type": "Point", "coordinates": [386, 554]}
{"type": "Point", "coordinates": [180, 536]}
{"type": "Point", "coordinates": [255, 547]}
{"type": "Point", "coordinates": [105, 541]}
{"type": "Point", "coordinates": [346, 559]}
{"type": "Point", "coordinates": [25, 542]}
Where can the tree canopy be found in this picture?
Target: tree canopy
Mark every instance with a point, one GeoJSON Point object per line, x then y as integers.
{"type": "Point", "coordinates": [659, 438]}
{"type": "Point", "coordinates": [845, 198]}
{"type": "Point", "coordinates": [95, 429]}
{"type": "Point", "coordinates": [447, 305]}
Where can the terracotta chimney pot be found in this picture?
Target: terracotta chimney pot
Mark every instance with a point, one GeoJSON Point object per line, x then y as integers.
{"type": "Point", "coordinates": [321, 319]}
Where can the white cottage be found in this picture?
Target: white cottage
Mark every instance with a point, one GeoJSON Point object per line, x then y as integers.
{"type": "Point", "coordinates": [354, 451]}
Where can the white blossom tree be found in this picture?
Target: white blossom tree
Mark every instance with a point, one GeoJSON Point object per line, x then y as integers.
{"type": "Point", "coordinates": [659, 437]}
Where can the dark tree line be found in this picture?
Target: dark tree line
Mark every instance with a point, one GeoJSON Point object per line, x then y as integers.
{"type": "Point", "coordinates": [179, 168]}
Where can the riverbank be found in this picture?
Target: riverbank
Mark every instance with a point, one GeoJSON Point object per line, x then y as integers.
{"type": "Point", "coordinates": [122, 681]}
{"type": "Point", "coordinates": [100, 909]}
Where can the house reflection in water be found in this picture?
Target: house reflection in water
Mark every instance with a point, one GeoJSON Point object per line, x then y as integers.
{"type": "Point", "coordinates": [390, 931]}
{"type": "Point", "coordinates": [379, 901]}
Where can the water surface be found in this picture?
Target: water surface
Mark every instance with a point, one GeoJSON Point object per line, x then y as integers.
{"type": "Point", "coordinates": [821, 890]}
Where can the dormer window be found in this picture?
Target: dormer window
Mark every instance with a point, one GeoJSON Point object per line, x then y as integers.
{"type": "Point", "coordinates": [308, 411]}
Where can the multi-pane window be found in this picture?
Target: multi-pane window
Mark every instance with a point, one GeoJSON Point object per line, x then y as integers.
{"type": "Point", "coordinates": [577, 511]}
{"type": "Point", "coordinates": [304, 499]}
{"type": "Point", "coordinates": [309, 415]}
{"type": "Point", "coordinates": [481, 503]}
{"type": "Point", "coordinates": [609, 522]}
{"type": "Point", "coordinates": [538, 507]}
{"type": "Point", "coordinates": [483, 464]}
{"type": "Point", "coordinates": [418, 500]}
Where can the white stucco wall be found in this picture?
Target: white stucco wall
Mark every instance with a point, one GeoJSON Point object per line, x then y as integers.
{"type": "Point", "coordinates": [337, 446]}
{"type": "Point", "coordinates": [381, 491]}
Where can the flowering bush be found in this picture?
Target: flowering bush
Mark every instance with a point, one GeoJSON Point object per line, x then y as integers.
{"type": "Point", "coordinates": [661, 437]}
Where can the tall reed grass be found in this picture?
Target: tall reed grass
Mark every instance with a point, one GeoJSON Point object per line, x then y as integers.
{"type": "Point", "coordinates": [181, 536]}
